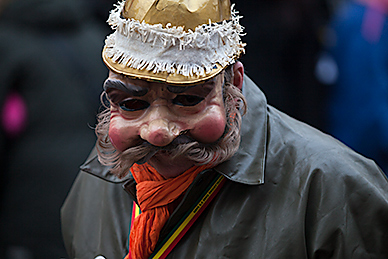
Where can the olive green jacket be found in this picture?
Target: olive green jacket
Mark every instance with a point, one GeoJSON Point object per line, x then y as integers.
{"type": "Point", "coordinates": [291, 192]}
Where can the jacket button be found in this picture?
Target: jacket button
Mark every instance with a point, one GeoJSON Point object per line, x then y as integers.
{"type": "Point", "coordinates": [100, 257]}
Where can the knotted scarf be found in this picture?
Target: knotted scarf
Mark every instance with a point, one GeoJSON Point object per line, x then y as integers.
{"type": "Point", "coordinates": [157, 198]}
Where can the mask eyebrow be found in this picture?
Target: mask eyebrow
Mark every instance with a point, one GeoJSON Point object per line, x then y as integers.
{"type": "Point", "coordinates": [180, 89]}
{"type": "Point", "coordinates": [131, 89]}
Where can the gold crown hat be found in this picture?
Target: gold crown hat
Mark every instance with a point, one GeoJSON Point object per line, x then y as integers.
{"type": "Point", "coordinates": [173, 41]}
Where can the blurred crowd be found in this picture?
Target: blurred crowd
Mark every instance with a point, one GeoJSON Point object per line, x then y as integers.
{"type": "Point", "coordinates": [324, 62]}
{"type": "Point", "coordinates": [357, 104]}
{"type": "Point", "coordinates": [51, 78]}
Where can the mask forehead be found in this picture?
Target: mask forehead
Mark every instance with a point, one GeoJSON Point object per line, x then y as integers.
{"type": "Point", "coordinates": [138, 87]}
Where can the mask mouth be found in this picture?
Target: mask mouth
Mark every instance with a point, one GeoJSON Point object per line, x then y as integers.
{"type": "Point", "coordinates": [181, 139]}
{"type": "Point", "coordinates": [152, 150]}
{"type": "Point", "coordinates": [147, 157]}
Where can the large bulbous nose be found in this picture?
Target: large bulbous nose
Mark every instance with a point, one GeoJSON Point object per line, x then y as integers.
{"type": "Point", "coordinates": [159, 132]}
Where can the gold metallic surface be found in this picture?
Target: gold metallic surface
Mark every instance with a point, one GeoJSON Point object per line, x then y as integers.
{"type": "Point", "coordinates": [187, 13]}
{"type": "Point", "coordinates": [173, 79]}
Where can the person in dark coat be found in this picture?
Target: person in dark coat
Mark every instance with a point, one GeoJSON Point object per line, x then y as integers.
{"type": "Point", "coordinates": [191, 162]}
{"type": "Point", "coordinates": [51, 76]}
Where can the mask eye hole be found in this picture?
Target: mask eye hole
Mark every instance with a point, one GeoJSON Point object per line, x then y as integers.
{"type": "Point", "coordinates": [133, 105]}
{"type": "Point", "coordinates": [187, 100]}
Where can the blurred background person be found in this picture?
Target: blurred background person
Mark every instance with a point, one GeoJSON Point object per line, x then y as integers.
{"type": "Point", "coordinates": [284, 42]}
{"type": "Point", "coordinates": [358, 99]}
{"type": "Point", "coordinates": [51, 77]}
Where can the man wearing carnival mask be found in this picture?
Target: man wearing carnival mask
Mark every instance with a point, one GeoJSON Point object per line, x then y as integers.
{"type": "Point", "coordinates": [210, 170]}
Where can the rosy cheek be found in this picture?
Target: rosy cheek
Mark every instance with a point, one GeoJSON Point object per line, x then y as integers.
{"type": "Point", "coordinates": [119, 135]}
{"type": "Point", "coordinates": [210, 128]}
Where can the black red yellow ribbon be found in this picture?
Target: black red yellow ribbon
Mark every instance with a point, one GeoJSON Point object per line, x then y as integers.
{"type": "Point", "coordinates": [186, 222]}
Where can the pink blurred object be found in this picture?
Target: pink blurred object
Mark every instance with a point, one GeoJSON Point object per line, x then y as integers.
{"type": "Point", "coordinates": [373, 25]}
{"type": "Point", "coordinates": [14, 115]}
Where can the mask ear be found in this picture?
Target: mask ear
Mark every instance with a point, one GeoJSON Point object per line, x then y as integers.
{"type": "Point", "coordinates": [238, 74]}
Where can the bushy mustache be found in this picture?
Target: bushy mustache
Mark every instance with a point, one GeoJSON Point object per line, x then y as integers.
{"type": "Point", "coordinates": [183, 145]}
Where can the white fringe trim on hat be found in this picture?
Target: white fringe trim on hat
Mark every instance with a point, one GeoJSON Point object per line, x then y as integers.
{"type": "Point", "coordinates": [171, 49]}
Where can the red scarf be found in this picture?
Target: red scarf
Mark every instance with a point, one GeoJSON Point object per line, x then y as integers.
{"type": "Point", "coordinates": [157, 198]}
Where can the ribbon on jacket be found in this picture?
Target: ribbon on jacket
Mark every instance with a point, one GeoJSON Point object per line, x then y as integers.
{"type": "Point", "coordinates": [184, 224]}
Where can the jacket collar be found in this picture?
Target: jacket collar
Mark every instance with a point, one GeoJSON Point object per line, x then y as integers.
{"type": "Point", "coordinates": [246, 166]}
